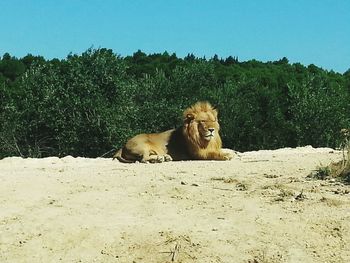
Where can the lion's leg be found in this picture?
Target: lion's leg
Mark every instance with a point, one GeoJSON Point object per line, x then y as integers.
{"type": "Point", "coordinates": [146, 157]}
{"type": "Point", "coordinates": [221, 155]}
{"type": "Point", "coordinates": [155, 157]}
{"type": "Point", "coordinates": [227, 154]}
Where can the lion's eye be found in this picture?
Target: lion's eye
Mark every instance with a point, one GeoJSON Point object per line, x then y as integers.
{"type": "Point", "coordinates": [206, 121]}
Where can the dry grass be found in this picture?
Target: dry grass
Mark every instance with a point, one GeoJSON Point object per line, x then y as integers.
{"type": "Point", "coordinates": [332, 201]}
{"type": "Point", "coordinates": [339, 169]}
{"type": "Point", "coordinates": [342, 168]}
{"type": "Point", "coordinates": [226, 180]}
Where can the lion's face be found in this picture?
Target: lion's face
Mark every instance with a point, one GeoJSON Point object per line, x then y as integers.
{"type": "Point", "coordinates": [201, 124]}
{"type": "Point", "coordinates": [207, 125]}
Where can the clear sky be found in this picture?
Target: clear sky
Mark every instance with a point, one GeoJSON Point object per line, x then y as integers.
{"type": "Point", "coordinates": [305, 31]}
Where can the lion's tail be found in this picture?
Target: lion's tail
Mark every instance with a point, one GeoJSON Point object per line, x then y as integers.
{"type": "Point", "coordinates": [120, 158]}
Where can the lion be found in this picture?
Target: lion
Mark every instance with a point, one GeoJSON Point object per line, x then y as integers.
{"type": "Point", "coordinates": [197, 139]}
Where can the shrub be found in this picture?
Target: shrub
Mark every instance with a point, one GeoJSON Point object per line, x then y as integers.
{"type": "Point", "coordinates": [88, 104]}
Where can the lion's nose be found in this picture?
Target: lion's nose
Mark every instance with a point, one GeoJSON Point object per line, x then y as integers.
{"type": "Point", "coordinates": [211, 130]}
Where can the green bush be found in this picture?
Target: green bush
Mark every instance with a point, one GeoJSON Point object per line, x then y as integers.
{"type": "Point", "coordinates": [88, 104]}
{"type": "Point", "coordinates": [319, 110]}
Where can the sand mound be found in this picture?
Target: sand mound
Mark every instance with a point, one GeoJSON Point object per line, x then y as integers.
{"type": "Point", "coordinates": [258, 208]}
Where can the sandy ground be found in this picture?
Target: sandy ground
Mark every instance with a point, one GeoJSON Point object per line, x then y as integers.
{"type": "Point", "coordinates": [258, 208]}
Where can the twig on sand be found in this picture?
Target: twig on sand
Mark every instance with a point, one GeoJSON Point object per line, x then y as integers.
{"type": "Point", "coordinates": [255, 161]}
{"type": "Point", "coordinates": [173, 253]}
{"type": "Point", "coordinates": [224, 189]}
{"type": "Point", "coordinates": [107, 153]}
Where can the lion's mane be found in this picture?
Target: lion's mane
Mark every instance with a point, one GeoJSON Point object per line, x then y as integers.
{"type": "Point", "coordinates": [197, 146]}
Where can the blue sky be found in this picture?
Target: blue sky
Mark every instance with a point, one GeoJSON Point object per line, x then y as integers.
{"type": "Point", "coordinates": [305, 31]}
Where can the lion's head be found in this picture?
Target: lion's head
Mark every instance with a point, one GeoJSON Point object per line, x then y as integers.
{"type": "Point", "coordinates": [201, 126]}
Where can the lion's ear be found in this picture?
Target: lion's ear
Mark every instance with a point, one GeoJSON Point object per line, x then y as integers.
{"type": "Point", "coordinates": [189, 118]}
{"type": "Point", "coordinates": [215, 111]}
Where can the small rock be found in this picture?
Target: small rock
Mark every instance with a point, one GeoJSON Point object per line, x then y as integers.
{"type": "Point", "coordinates": [300, 196]}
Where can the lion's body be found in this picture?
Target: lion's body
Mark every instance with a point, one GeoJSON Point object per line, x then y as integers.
{"type": "Point", "coordinates": [197, 139]}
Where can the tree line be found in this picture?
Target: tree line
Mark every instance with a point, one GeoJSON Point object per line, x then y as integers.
{"type": "Point", "coordinates": [90, 103]}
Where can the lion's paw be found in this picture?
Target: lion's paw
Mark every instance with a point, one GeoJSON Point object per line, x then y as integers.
{"type": "Point", "coordinates": [168, 158]}
{"type": "Point", "coordinates": [228, 154]}
{"type": "Point", "coordinates": [159, 158]}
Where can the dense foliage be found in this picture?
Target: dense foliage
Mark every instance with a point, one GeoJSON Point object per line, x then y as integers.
{"type": "Point", "coordinates": [88, 104]}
